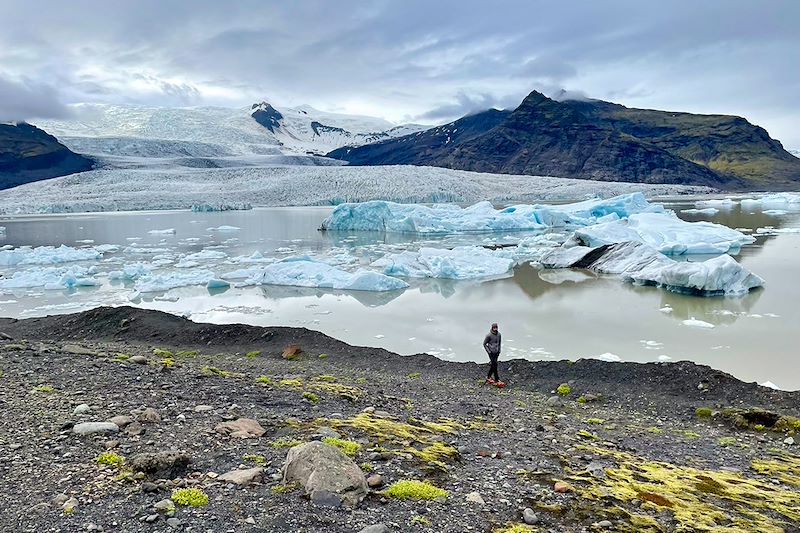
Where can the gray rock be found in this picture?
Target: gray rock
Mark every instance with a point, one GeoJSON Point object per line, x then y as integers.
{"type": "Point", "coordinates": [245, 428]}
{"type": "Point", "coordinates": [596, 470]}
{"type": "Point", "coordinates": [148, 416]}
{"type": "Point", "coordinates": [121, 420]}
{"type": "Point", "coordinates": [605, 524]}
{"type": "Point", "coordinates": [82, 409]}
{"type": "Point", "coordinates": [174, 523]}
{"type": "Point", "coordinates": [134, 428]}
{"type": "Point", "coordinates": [164, 506]}
{"type": "Point", "coordinates": [474, 497]}
{"type": "Point", "coordinates": [160, 465]}
{"type": "Point", "coordinates": [243, 477]}
{"type": "Point", "coordinates": [377, 528]}
{"type": "Point", "coordinates": [59, 499]}
{"type": "Point", "coordinates": [78, 350]}
{"type": "Point", "coordinates": [151, 518]}
{"type": "Point", "coordinates": [324, 432]}
{"type": "Point", "coordinates": [788, 441]}
{"type": "Point", "coordinates": [529, 517]}
{"type": "Point", "coordinates": [322, 467]}
{"type": "Point", "coordinates": [70, 505]}
{"type": "Point", "coordinates": [326, 498]}
{"type": "Point", "coordinates": [375, 480]}
{"type": "Point", "coordinates": [202, 408]}
{"type": "Point", "coordinates": [555, 401]}
{"type": "Point", "coordinates": [138, 359]}
{"type": "Point", "coordinates": [94, 428]}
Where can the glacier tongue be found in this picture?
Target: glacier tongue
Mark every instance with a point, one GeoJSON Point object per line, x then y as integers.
{"type": "Point", "coordinates": [666, 233]}
{"type": "Point", "coordinates": [639, 263]}
{"type": "Point", "coordinates": [464, 262]}
{"type": "Point", "coordinates": [482, 217]}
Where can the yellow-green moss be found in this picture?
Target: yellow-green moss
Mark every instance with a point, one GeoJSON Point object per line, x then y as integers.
{"type": "Point", "coordinates": [414, 375]}
{"type": "Point", "coordinates": [168, 362]}
{"type": "Point", "coordinates": [412, 489]}
{"type": "Point", "coordinates": [109, 458]}
{"type": "Point", "coordinates": [653, 429]}
{"type": "Point", "coordinates": [323, 356]}
{"type": "Point", "coordinates": [192, 497]}
{"type": "Point", "coordinates": [214, 371]}
{"type": "Point", "coordinates": [158, 352]}
{"type": "Point", "coordinates": [326, 377]}
{"type": "Point", "coordinates": [436, 454]}
{"type": "Point", "coordinates": [596, 421]}
{"type": "Point", "coordinates": [703, 412]}
{"type": "Point", "coordinates": [366, 467]}
{"type": "Point", "coordinates": [266, 380]}
{"type": "Point", "coordinates": [257, 459]}
{"type": "Point", "coordinates": [582, 433]}
{"type": "Point", "coordinates": [421, 520]}
{"type": "Point", "coordinates": [515, 527]}
{"type": "Point", "coordinates": [311, 397]}
{"type": "Point", "coordinates": [285, 442]}
{"type": "Point", "coordinates": [44, 389]}
{"type": "Point", "coordinates": [121, 357]}
{"type": "Point", "coordinates": [731, 441]}
{"type": "Point", "coordinates": [253, 354]}
{"type": "Point", "coordinates": [564, 389]}
{"type": "Point", "coordinates": [283, 489]}
{"type": "Point", "coordinates": [343, 391]}
{"type": "Point", "coordinates": [291, 383]}
{"type": "Point", "coordinates": [347, 446]}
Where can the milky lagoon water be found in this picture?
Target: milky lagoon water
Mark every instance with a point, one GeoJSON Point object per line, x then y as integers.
{"type": "Point", "coordinates": [542, 314]}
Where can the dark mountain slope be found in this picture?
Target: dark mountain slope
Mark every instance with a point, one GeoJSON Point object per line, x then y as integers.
{"type": "Point", "coordinates": [29, 154]}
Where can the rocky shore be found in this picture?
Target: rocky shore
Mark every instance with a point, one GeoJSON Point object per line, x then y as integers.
{"type": "Point", "coordinates": [126, 420]}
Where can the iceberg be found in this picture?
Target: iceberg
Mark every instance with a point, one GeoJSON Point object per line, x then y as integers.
{"type": "Point", "coordinates": [464, 262]}
{"type": "Point", "coordinates": [638, 263]}
{"type": "Point", "coordinates": [782, 200]}
{"type": "Point", "coordinates": [666, 233]}
{"type": "Point", "coordinates": [130, 272]}
{"type": "Point", "coordinates": [705, 211]}
{"type": "Point", "coordinates": [171, 280]}
{"type": "Point", "coordinates": [46, 255]}
{"type": "Point", "coordinates": [169, 231]}
{"type": "Point", "coordinates": [305, 272]}
{"type": "Point", "coordinates": [224, 228]}
{"type": "Point", "coordinates": [217, 284]}
{"type": "Point", "coordinates": [50, 278]}
{"type": "Point", "coordinates": [482, 217]}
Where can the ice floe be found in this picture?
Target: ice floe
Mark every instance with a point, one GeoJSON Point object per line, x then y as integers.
{"type": "Point", "coordinates": [694, 323]}
{"type": "Point", "coordinates": [666, 233]}
{"type": "Point", "coordinates": [639, 263]}
{"type": "Point", "coordinates": [465, 262]}
{"type": "Point", "coordinates": [705, 211]}
{"type": "Point", "coordinates": [130, 272]}
{"type": "Point", "coordinates": [46, 255]}
{"type": "Point", "coordinates": [481, 217]}
{"type": "Point", "coordinates": [782, 200]}
{"type": "Point", "coordinates": [170, 280]}
{"type": "Point", "coordinates": [224, 228]}
{"type": "Point", "coordinates": [50, 278]}
{"type": "Point", "coordinates": [168, 231]}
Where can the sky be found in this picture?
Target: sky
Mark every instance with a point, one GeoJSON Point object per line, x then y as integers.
{"type": "Point", "coordinates": [404, 60]}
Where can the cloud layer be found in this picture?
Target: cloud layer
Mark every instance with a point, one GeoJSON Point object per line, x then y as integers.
{"type": "Point", "coordinates": [410, 60]}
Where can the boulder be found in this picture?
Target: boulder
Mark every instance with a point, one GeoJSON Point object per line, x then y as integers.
{"type": "Point", "coordinates": [322, 467]}
{"type": "Point", "coordinates": [243, 477]}
{"type": "Point", "coordinates": [244, 428]}
{"type": "Point", "coordinates": [94, 428]}
{"type": "Point", "coordinates": [161, 465]}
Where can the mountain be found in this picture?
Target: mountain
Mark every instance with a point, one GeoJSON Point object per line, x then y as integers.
{"type": "Point", "coordinates": [596, 140]}
{"type": "Point", "coordinates": [29, 154]}
{"type": "Point", "coordinates": [305, 129]}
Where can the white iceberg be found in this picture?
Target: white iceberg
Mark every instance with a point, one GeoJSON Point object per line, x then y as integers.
{"type": "Point", "coordinates": [694, 323]}
{"type": "Point", "coordinates": [130, 272]}
{"type": "Point", "coordinates": [607, 357]}
{"type": "Point", "coordinates": [666, 233]}
{"type": "Point", "coordinates": [481, 217]}
{"type": "Point", "coordinates": [224, 228]}
{"type": "Point", "coordinates": [51, 278]}
{"type": "Point", "coordinates": [782, 200]}
{"type": "Point", "coordinates": [464, 262]}
{"type": "Point", "coordinates": [46, 255]}
{"type": "Point", "coordinates": [638, 263]}
{"type": "Point", "coordinates": [168, 231]}
{"type": "Point", "coordinates": [305, 272]}
{"type": "Point", "coordinates": [170, 280]}
{"type": "Point", "coordinates": [255, 257]}
{"type": "Point", "coordinates": [705, 211]}
{"type": "Point", "coordinates": [770, 385]}
{"type": "Point", "coordinates": [217, 284]}
{"type": "Point", "coordinates": [724, 203]}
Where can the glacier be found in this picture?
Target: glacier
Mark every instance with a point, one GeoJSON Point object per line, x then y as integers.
{"type": "Point", "coordinates": [666, 233]}
{"type": "Point", "coordinates": [641, 264]}
{"type": "Point", "coordinates": [46, 255]}
{"type": "Point", "coordinates": [465, 262]}
{"type": "Point", "coordinates": [481, 217]}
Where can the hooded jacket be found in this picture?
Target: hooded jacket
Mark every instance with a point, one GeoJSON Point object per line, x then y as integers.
{"type": "Point", "coordinates": [491, 343]}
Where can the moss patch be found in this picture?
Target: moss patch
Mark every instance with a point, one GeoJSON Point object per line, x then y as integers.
{"type": "Point", "coordinates": [109, 458]}
{"type": "Point", "coordinates": [412, 489]}
{"type": "Point", "coordinates": [192, 497]}
{"type": "Point", "coordinates": [563, 390]}
{"type": "Point", "coordinates": [253, 354]}
{"type": "Point", "coordinates": [158, 352]}
{"type": "Point", "coordinates": [515, 527]}
{"type": "Point", "coordinates": [347, 446]}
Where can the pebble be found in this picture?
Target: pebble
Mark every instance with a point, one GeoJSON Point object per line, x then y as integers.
{"type": "Point", "coordinates": [138, 359]}
{"type": "Point", "coordinates": [91, 428]}
{"type": "Point", "coordinates": [164, 506]}
{"type": "Point", "coordinates": [82, 409]}
{"type": "Point", "coordinates": [562, 487]}
{"type": "Point", "coordinates": [529, 517]}
{"type": "Point", "coordinates": [788, 441]}
{"type": "Point", "coordinates": [121, 420]}
{"type": "Point", "coordinates": [475, 497]}
{"type": "Point", "coordinates": [377, 528]}
{"type": "Point", "coordinates": [174, 523]}
{"type": "Point", "coordinates": [604, 524]}
{"type": "Point", "coordinates": [375, 480]}
{"type": "Point", "coordinates": [243, 477]}
{"type": "Point", "coordinates": [151, 518]}
{"type": "Point", "coordinates": [202, 408]}
{"type": "Point", "coordinates": [149, 416]}
{"type": "Point", "coordinates": [70, 505]}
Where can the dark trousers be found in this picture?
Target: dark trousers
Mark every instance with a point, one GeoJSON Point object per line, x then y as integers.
{"type": "Point", "coordinates": [493, 357]}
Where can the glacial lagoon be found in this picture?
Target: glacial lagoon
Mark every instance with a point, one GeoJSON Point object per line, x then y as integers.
{"type": "Point", "coordinates": [543, 314]}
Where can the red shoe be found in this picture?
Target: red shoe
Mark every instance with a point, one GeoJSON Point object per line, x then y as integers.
{"type": "Point", "coordinates": [500, 384]}
{"type": "Point", "coordinates": [490, 381]}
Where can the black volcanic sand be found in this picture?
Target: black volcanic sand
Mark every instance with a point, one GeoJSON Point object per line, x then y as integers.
{"type": "Point", "coordinates": [634, 457]}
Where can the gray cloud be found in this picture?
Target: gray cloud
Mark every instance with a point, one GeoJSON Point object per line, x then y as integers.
{"type": "Point", "coordinates": [414, 58]}
{"type": "Point", "coordinates": [25, 99]}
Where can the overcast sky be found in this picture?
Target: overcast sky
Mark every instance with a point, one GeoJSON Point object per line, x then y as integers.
{"type": "Point", "coordinates": [427, 61]}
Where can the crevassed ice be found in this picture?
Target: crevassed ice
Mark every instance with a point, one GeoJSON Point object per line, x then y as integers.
{"type": "Point", "coordinates": [666, 233]}
{"type": "Point", "coordinates": [463, 262]}
{"type": "Point", "coordinates": [481, 217]}
{"type": "Point", "coordinates": [47, 255]}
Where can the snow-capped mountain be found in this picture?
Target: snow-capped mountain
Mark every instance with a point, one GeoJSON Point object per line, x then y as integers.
{"type": "Point", "coordinates": [305, 129]}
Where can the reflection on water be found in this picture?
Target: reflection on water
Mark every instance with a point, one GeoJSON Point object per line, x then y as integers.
{"type": "Point", "coordinates": [542, 314]}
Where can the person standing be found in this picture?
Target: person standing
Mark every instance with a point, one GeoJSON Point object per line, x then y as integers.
{"type": "Point", "coordinates": [491, 343]}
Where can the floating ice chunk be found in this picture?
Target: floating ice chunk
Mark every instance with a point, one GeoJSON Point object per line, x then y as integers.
{"type": "Point", "coordinates": [666, 309]}
{"type": "Point", "coordinates": [144, 250]}
{"type": "Point", "coordinates": [107, 248]}
{"type": "Point", "coordinates": [557, 277]}
{"type": "Point", "coordinates": [255, 257]}
{"type": "Point", "coordinates": [770, 230]}
{"type": "Point", "coordinates": [664, 358]}
{"type": "Point", "coordinates": [86, 241]}
{"type": "Point", "coordinates": [217, 284]}
{"type": "Point", "coordinates": [770, 385]}
{"type": "Point", "coordinates": [224, 228]}
{"type": "Point", "coordinates": [2, 229]}
{"type": "Point", "coordinates": [725, 203]}
{"type": "Point", "coordinates": [379, 336]}
{"type": "Point", "coordinates": [783, 200]}
{"type": "Point", "coordinates": [168, 231]}
{"type": "Point", "coordinates": [775, 212]}
{"type": "Point", "coordinates": [51, 278]}
{"type": "Point", "coordinates": [184, 263]}
{"type": "Point", "coordinates": [666, 233]}
{"type": "Point", "coordinates": [694, 323]}
{"type": "Point", "coordinates": [481, 217]}
{"type": "Point", "coordinates": [607, 357]}
{"type": "Point", "coordinates": [170, 280]}
{"type": "Point", "coordinates": [47, 255]}
{"type": "Point", "coordinates": [305, 272]}
{"type": "Point", "coordinates": [706, 211]}
{"type": "Point", "coordinates": [465, 262]}
{"type": "Point", "coordinates": [130, 272]}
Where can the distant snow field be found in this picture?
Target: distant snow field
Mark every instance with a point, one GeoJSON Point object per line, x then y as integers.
{"type": "Point", "coordinates": [135, 189]}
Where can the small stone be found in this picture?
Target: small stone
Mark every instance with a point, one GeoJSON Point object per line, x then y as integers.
{"type": "Point", "coordinates": [368, 410]}
{"type": "Point", "coordinates": [164, 506]}
{"type": "Point", "coordinates": [149, 416]}
{"type": "Point", "coordinates": [291, 351]}
{"type": "Point", "coordinates": [554, 401]}
{"type": "Point", "coordinates": [244, 428]}
{"type": "Point", "coordinates": [60, 499]}
{"type": "Point", "coordinates": [134, 428]}
{"type": "Point", "coordinates": [14, 447]}
{"type": "Point", "coordinates": [160, 465]}
{"type": "Point", "coordinates": [92, 428]}
{"type": "Point", "coordinates": [788, 441]}
{"type": "Point", "coordinates": [174, 523]}
{"type": "Point", "coordinates": [138, 359]}
{"type": "Point", "coordinates": [243, 477]}
{"type": "Point", "coordinates": [596, 470]}
{"type": "Point", "coordinates": [474, 497]}
{"type": "Point", "coordinates": [250, 520]}
{"type": "Point", "coordinates": [562, 487]}
{"type": "Point", "coordinates": [82, 409]}
{"type": "Point", "coordinates": [78, 350]}
{"type": "Point", "coordinates": [202, 408]}
{"type": "Point", "coordinates": [151, 518]}
{"type": "Point", "coordinates": [377, 528]}
{"type": "Point", "coordinates": [529, 517]}
{"type": "Point", "coordinates": [121, 420]}
{"type": "Point", "coordinates": [110, 444]}
{"type": "Point", "coordinates": [326, 498]}
{"type": "Point", "coordinates": [325, 431]}
{"type": "Point", "coordinates": [149, 486]}
{"type": "Point", "coordinates": [604, 524]}
{"type": "Point", "coordinates": [70, 505]}
{"type": "Point", "coordinates": [375, 480]}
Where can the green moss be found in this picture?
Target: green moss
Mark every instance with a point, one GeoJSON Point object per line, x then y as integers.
{"type": "Point", "coordinates": [285, 442]}
{"type": "Point", "coordinates": [653, 429]}
{"type": "Point", "coordinates": [121, 357]}
{"type": "Point", "coordinates": [581, 399]}
{"type": "Point", "coordinates": [283, 489]}
{"type": "Point", "coordinates": [414, 375]}
{"type": "Point", "coordinates": [421, 520]}
{"type": "Point", "coordinates": [327, 378]}
{"type": "Point", "coordinates": [347, 446]}
{"type": "Point", "coordinates": [291, 383]}
{"type": "Point", "coordinates": [311, 397]}
{"type": "Point", "coordinates": [596, 421]}
{"type": "Point", "coordinates": [435, 455]}
{"type": "Point", "coordinates": [691, 435]}
{"type": "Point", "coordinates": [109, 458]}
{"type": "Point", "coordinates": [253, 354]}
{"type": "Point", "coordinates": [759, 427]}
{"type": "Point", "coordinates": [214, 371]}
{"type": "Point", "coordinates": [586, 435]}
{"type": "Point", "coordinates": [257, 459]}
{"type": "Point", "coordinates": [412, 489]}
{"type": "Point", "coordinates": [43, 389]}
{"type": "Point", "coordinates": [515, 527]}
{"type": "Point", "coordinates": [189, 354]}
{"type": "Point", "coordinates": [787, 424]}
{"type": "Point", "coordinates": [266, 380]}
{"type": "Point", "coordinates": [563, 390]}
{"type": "Point", "coordinates": [168, 362]}
{"type": "Point", "coordinates": [323, 356]}
{"type": "Point", "coordinates": [361, 380]}
{"type": "Point", "coordinates": [731, 441]}
{"type": "Point", "coordinates": [158, 352]}
{"type": "Point", "coordinates": [703, 412]}
{"type": "Point", "coordinates": [366, 467]}
{"type": "Point", "coordinates": [343, 391]}
{"type": "Point", "coordinates": [192, 497]}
